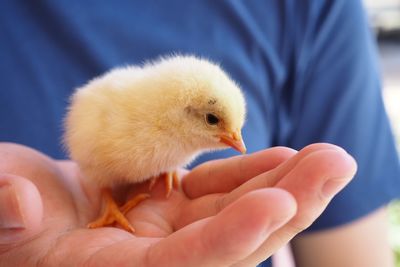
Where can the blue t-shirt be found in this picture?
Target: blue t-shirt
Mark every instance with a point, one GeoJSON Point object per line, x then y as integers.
{"type": "Point", "coordinates": [308, 69]}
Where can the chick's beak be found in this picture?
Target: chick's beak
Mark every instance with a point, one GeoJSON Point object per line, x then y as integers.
{"type": "Point", "coordinates": [233, 140]}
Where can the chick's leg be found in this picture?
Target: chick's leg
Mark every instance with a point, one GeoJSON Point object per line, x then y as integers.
{"type": "Point", "coordinates": [170, 179]}
{"type": "Point", "coordinates": [133, 202]}
{"type": "Point", "coordinates": [111, 213]}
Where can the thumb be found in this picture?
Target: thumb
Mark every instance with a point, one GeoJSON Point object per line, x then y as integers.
{"type": "Point", "coordinates": [21, 209]}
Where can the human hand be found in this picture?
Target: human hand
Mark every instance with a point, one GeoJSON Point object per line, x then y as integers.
{"type": "Point", "coordinates": [312, 176]}
{"type": "Point", "coordinates": [226, 217]}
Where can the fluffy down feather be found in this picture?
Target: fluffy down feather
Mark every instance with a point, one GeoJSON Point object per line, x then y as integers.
{"type": "Point", "coordinates": [136, 122]}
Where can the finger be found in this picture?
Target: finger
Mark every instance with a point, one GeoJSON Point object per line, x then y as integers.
{"type": "Point", "coordinates": [231, 235]}
{"type": "Point", "coordinates": [212, 204]}
{"type": "Point", "coordinates": [316, 179]}
{"type": "Point", "coordinates": [313, 183]}
{"type": "Point", "coordinates": [226, 174]}
{"type": "Point", "coordinates": [57, 193]}
{"type": "Point", "coordinates": [271, 178]}
{"type": "Point", "coordinates": [21, 208]}
{"type": "Point", "coordinates": [216, 241]}
{"type": "Point", "coordinates": [304, 152]}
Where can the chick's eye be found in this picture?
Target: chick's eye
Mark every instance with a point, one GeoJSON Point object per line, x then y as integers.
{"type": "Point", "coordinates": [211, 119]}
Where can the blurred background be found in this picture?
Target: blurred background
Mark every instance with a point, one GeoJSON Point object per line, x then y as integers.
{"type": "Point", "coordinates": [384, 17]}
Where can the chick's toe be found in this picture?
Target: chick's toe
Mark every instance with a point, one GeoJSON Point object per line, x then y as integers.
{"type": "Point", "coordinates": [133, 202]}
{"type": "Point", "coordinates": [170, 179]}
{"type": "Point", "coordinates": [112, 214]}
{"type": "Point", "coordinates": [171, 182]}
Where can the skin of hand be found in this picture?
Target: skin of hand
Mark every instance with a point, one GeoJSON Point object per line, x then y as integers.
{"type": "Point", "coordinates": [232, 212]}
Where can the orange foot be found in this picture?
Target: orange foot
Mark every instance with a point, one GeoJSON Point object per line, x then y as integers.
{"type": "Point", "coordinates": [171, 181]}
{"type": "Point", "coordinates": [112, 213]}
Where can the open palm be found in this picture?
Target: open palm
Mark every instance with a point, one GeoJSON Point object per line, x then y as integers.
{"type": "Point", "coordinates": [233, 212]}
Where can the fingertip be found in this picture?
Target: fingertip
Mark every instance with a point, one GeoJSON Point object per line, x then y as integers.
{"type": "Point", "coordinates": [273, 206]}
{"type": "Point", "coordinates": [335, 163]}
{"type": "Point", "coordinates": [285, 203]}
{"type": "Point", "coordinates": [321, 146]}
{"type": "Point", "coordinates": [244, 225]}
{"type": "Point", "coordinates": [284, 151]}
{"type": "Point", "coordinates": [22, 207]}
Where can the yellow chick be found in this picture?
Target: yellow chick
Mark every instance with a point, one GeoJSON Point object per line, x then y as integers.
{"type": "Point", "coordinates": [136, 123]}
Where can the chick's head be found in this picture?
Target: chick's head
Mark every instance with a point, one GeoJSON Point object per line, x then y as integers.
{"type": "Point", "coordinates": [208, 107]}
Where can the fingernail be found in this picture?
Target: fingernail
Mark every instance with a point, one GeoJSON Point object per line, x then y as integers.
{"type": "Point", "coordinates": [332, 186]}
{"type": "Point", "coordinates": [10, 212]}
